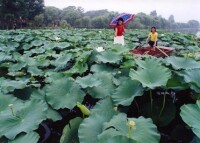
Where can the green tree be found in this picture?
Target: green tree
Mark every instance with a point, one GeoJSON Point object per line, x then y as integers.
{"type": "Point", "coordinates": [71, 14]}
{"type": "Point", "coordinates": [64, 24]}
{"type": "Point", "coordinates": [97, 22]}
{"type": "Point", "coordinates": [171, 19]}
{"type": "Point", "coordinates": [153, 13]}
{"type": "Point", "coordinates": [86, 22]}
{"type": "Point", "coordinates": [193, 24]}
{"type": "Point", "coordinates": [51, 15]}
{"type": "Point", "coordinates": [19, 11]}
{"type": "Point", "coordinates": [39, 20]}
{"type": "Point", "coordinates": [35, 7]}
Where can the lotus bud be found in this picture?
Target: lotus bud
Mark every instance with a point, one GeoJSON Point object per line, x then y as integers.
{"type": "Point", "coordinates": [131, 126]}
{"type": "Point", "coordinates": [11, 108]}
{"type": "Point", "coordinates": [83, 109]}
{"type": "Point", "coordinates": [115, 108]}
{"type": "Point", "coordinates": [10, 105]}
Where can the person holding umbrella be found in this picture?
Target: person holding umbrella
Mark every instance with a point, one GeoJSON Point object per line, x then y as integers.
{"type": "Point", "coordinates": [118, 22]}
{"type": "Point", "coordinates": [119, 32]}
{"type": "Point", "coordinates": [152, 38]}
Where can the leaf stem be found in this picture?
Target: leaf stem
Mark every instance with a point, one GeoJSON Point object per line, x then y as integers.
{"type": "Point", "coordinates": [151, 100]}
{"type": "Point", "coordinates": [137, 106]}
{"type": "Point", "coordinates": [163, 106]}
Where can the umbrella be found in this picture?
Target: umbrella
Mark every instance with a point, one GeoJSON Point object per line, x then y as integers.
{"type": "Point", "coordinates": [125, 16]}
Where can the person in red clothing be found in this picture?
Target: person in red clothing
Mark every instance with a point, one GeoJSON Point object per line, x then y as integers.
{"type": "Point", "coordinates": [119, 32]}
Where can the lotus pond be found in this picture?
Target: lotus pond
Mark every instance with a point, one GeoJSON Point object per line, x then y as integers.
{"type": "Point", "coordinates": [62, 86]}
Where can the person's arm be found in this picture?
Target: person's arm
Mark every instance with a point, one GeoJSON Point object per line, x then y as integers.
{"type": "Point", "coordinates": [156, 40]}
{"type": "Point", "coordinates": [124, 29]}
{"type": "Point", "coordinates": [148, 38]}
{"type": "Point", "coordinates": [116, 31]}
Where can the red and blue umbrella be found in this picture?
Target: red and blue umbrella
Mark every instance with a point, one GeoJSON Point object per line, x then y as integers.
{"type": "Point", "coordinates": [125, 16]}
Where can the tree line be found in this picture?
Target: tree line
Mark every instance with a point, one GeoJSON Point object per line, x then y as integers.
{"type": "Point", "coordinates": [33, 14]}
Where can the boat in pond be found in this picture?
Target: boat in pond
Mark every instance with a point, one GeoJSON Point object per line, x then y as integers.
{"type": "Point", "coordinates": [159, 51]}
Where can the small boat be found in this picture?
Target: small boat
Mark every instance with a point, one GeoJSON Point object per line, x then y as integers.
{"type": "Point", "coordinates": [159, 51]}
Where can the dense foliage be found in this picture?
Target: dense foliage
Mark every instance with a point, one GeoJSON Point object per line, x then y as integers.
{"type": "Point", "coordinates": [33, 14]}
{"type": "Point", "coordinates": [17, 13]}
{"type": "Point", "coordinates": [109, 95]}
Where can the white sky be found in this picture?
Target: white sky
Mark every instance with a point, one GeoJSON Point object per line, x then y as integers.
{"type": "Point", "coordinates": [183, 10]}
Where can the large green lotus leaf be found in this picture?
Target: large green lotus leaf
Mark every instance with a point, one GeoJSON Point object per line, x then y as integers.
{"type": "Point", "coordinates": [42, 63]}
{"type": "Point", "coordinates": [30, 61]}
{"type": "Point", "coordinates": [119, 48]}
{"type": "Point", "coordinates": [109, 57]}
{"type": "Point", "coordinates": [105, 88]}
{"type": "Point", "coordinates": [79, 67]}
{"type": "Point", "coordinates": [63, 45]}
{"type": "Point", "coordinates": [52, 76]}
{"type": "Point", "coordinates": [99, 68]}
{"type": "Point", "coordinates": [148, 63]}
{"type": "Point", "coordinates": [34, 71]}
{"type": "Point", "coordinates": [11, 46]}
{"type": "Point", "coordinates": [143, 130]}
{"type": "Point", "coordinates": [117, 139]}
{"type": "Point", "coordinates": [126, 92]}
{"type": "Point", "coordinates": [183, 63]}
{"type": "Point", "coordinates": [6, 100]}
{"type": "Point", "coordinates": [19, 38]}
{"type": "Point", "coordinates": [150, 74]}
{"type": "Point", "coordinates": [28, 38]}
{"type": "Point", "coordinates": [26, 46]}
{"type": "Point", "coordinates": [2, 47]}
{"type": "Point", "coordinates": [61, 62]}
{"type": "Point", "coordinates": [177, 83]}
{"type": "Point", "coordinates": [33, 112]}
{"type": "Point", "coordinates": [31, 137]}
{"type": "Point", "coordinates": [49, 45]}
{"type": "Point", "coordinates": [38, 50]}
{"type": "Point", "coordinates": [92, 126]}
{"type": "Point", "coordinates": [51, 113]}
{"type": "Point", "coordinates": [17, 66]}
{"type": "Point", "coordinates": [88, 81]}
{"type": "Point", "coordinates": [64, 93]}
{"type": "Point", "coordinates": [10, 85]}
{"type": "Point", "coordinates": [5, 57]}
{"type": "Point", "coordinates": [128, 64]}
{"type": "Point", "coordinates": [37, 43]}
{"type": "Point", "coordinates": [70, 131]}
{"type": "Point", "coordinates": [191, 116]}
{"type": "Point", "coordinates": [192, 76]}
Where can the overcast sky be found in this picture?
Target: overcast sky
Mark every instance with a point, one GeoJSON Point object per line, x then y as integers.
{"type": "Point", "coordinates": [183, 10]}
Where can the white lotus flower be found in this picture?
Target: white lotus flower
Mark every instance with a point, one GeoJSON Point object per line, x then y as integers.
{"type": "Point", "coordinates": [10, 105]}
{"type": "Point", "coordinates": [100, 49]}
{"type": "Point", "coordinates": [100, 31]}
{"type": "Point", "coordinates": [162, 34]}
{"type": "Point", "coordinates": [57, 38]}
